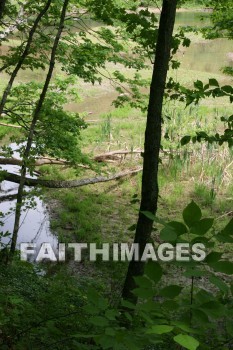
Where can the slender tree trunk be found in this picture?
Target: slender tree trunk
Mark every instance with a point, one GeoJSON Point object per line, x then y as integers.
{"type": "Point", "coordinates": [33, 126]}
{"type": "Point", "coordinates": [150, 190]}
{"type": "Point", "coordinates": [2, 8]}
{"type": "Point", "coordinates": [23, 56]}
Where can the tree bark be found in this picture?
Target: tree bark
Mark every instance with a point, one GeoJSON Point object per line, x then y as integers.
{"type": "Point", "coordinates": [2, 8]}
{"type": "Point", "coordinates": [35, 118]}
{"type": "Point", "coordinates": [150, 190]}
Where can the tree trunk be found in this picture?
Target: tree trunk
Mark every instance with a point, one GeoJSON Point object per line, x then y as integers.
{"type": "Point", "coordinates": [33, 126]}
{"type": "Point", "coordinates": [2, 8]}
{"type": "Point", "coordinates": [150, 190]}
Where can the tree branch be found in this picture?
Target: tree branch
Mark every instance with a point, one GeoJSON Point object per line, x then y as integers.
{"type": "Point", "coordinates": [70, 183]}
{"type": "Point", "coordinates": [11, 125]}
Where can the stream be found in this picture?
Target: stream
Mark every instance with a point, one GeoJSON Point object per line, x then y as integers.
{"type": "Point", "coordinates": [35, 223]}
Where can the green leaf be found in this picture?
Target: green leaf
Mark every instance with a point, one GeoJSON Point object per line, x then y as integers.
{"type": "Point", "coordinates": [213, 257]}
{"type": "Point", "coordinates": [160, 329]}
{"type": "Point", "coordinates": [143, 282]}
{"type": "Point", "coordinates": [143, 293]}
{"type": "Point", "coordinates": [213, 82]}
{"type": "Point", "coordinates": [228, 230]}
{"type": "Point", "coordinates": [203, 240]}
{"type": "Point", "coordinates": [127, 304]}
{"type": "Point", "coordinates": [199, 85]}
{"type": "Point", "coordinates": [194, 273]}
{"type": "Point", "coordinates": [228, 89]}
{"type": "Point", "coordinates": [200, 317]}
{"type": "Point", "coordinates": [149, 215]}
{"type": "Point", "coordinates": [224, 238]}
{"type": "Point", "coordinates": [184, 327]}
{"type": "Point", "coordinates": [202, 227]}
{"type": "Point", "coordinates": [132, 228]}
{"type": "Point", "coordinates": [168, 234]}
{"type": "Point", "coordinates": [187, 341]}
{"type": "Point", "coordinates": [111, 314]}
{"type": "Point", "coordinates": [85, 336]}
{"type": "Point", "coordinates": [170, 305]}
{"type": "Point", "coordinates": [99, 321]}
{"type": "Point", "coordinates": [192, 214]}
{"type": "Point", "coordinates": [204, 297]}
{"type": "Point", "coordinates": [223, 266]}
{"type": "Point", "coordinates": [105, 341]}
{"type": "Point", "coordinates": [222, 286]}
{"type": "Point", "coordinates": [154, 271]}
{"type": "Point", "coordinates": [185, 140]}
{"type": "Point", "coordinates": [179, 227]}
{"type": "Point", "coordinates": [229, 327]}
{"type": "Point", "coordinates": [213, 309]}
{"type": "Point", "coordinates": [148, 306]}
{"type": "Point", "coordinates": [96, 300]}
{"type": "Point", "coordinates": [171, 291]}
{"type": "Point", "coordinates": [186, 42]}
{"type": "Point", "coordinates": [110, 331]}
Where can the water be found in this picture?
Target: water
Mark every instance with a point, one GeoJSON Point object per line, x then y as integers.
{"type": "Point", "coordinates": [205, 55]}
{"type": "Point", "coordinates": [193, 19]}
{"type": "Point", "coordinates": [34, 223]}
{"type": "Point", "coordinates": [208, 56]}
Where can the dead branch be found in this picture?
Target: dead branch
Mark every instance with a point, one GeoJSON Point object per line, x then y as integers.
{"type": "Point", "coordinates": [11, 125]}
{"type": "Point", "coordinates": [38, 162]}
{"type": "Point", "coordinates": [70, 183]}
{"type": "Point", "coordinates": [113, 155]}
{"type": "Point", "coordinates": [8, 198]}
{"type": "Point", "coordinates": [105, 157]}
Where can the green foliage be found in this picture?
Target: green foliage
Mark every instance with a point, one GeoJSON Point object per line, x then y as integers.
{"type": "Point", "coordinates": [57, 132]}
{"type": "Point", "coordinates": [194, 96]}
{"type": "Point", "coordinates": [221, 18]}
{"type": "Point", "coordinates": [165, 314]}
{"type": "Point", "coordinates": [77, 313]}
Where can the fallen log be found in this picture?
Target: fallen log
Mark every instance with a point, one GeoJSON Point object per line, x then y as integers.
{"type": "Point", "coordinates": [113, 155]}
{"type": "Point", "coordinates": [70, 183]}
{"type": "Point", "coordinates": [8, 198]}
